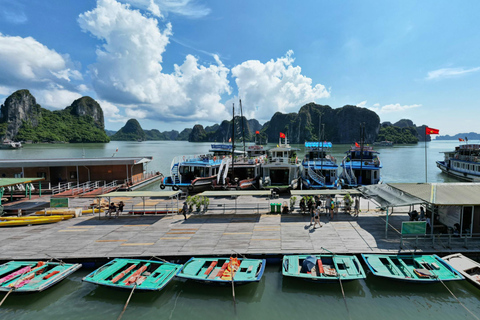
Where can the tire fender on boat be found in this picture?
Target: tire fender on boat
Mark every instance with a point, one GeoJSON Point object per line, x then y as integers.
{"type": "Point", "coordinates": [162, 186]}
{"type": "Point", "coordinates": [175, 188]}
{"type": "Point", "coordinates": [190, 188]}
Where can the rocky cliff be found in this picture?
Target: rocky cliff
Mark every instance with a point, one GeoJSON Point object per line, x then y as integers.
{"type": "Point", "coordinates": [341, 125]}
{"type": "Point", "coordinates": [131, 131]}
{"type": "Point", "coordinates": [19, 107]}
{"type": "Point", "coordinates": [23, 119]}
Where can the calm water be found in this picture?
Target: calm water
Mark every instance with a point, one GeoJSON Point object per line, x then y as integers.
{"type": "Point", "coordinates": [272, 298]}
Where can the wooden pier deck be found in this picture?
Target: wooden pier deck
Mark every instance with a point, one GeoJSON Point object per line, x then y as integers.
{"type": "Point", "coordinates": [248, 231]}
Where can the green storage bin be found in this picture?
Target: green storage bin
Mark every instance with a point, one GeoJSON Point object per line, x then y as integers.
{"type": "Point", "coordinates": [279, 207]}
{"type": "Point", "coordinates": [272, 207]}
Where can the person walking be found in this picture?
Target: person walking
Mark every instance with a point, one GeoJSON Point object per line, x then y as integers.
{"type": "Point", "coordinates": [357, 206]}
{"type": "Point", "coordinates": [317, 218]}
{"type": "Point", "coordinates": [184, 210]}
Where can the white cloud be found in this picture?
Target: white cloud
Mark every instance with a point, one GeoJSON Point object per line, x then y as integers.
{"type": "Point", "coordinates": [111, 112]}
{"type": "Point", "coordinates": [390, 108]}
{"type": "Point", "coordinates": [12, 11]}
{"type": "Point", "coordinates": [26, 63]}
{"type": "Point", "coordinates": [136, 113]}
{"type": "Point", "coordinates": [274, 86]}
{"type": "Point", "coordinates": [449, 73]}
{"type": "Point", "coordinates": [186, 8]}
{"type": "Point", "coordinates": [362, 104]}
{"type": "Point", "coordinates": [57, 98]}
{"type": "Point", "coordinates": [128, 69]}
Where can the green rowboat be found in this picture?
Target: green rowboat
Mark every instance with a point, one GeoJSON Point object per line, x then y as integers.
{"type": "Point", "coordinates": [147, 275]}
{"type": "Point", "coordinates": [323, 267]}
{"type": "Point", "coordinates": [217, 270]}
{"type": "Point", "coordinates": [33, 276]}
{"type": "Point", "coordinates": [411, 268]}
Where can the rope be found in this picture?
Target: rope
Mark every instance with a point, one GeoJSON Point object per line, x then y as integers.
{"type": "Point", "coordinates": [5, 298]}
{"type": "Point", "coordinates": [233, 291]}
{"type": "Point", "coordinates": [14, 286]}
{"type": "Point", "coordinates": [453, 295]}
{"type": "Point", "coordinates": [128, 300]}
{"type": "Point", "coordinates": [175, 305]}
{"type": "Point", "coordinates": [240, 254]}
{"type": "Point", "coordinates": [163, 260]}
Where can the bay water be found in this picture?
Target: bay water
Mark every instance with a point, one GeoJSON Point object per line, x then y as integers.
{"type": "Point", "coordinates": [274, 297]}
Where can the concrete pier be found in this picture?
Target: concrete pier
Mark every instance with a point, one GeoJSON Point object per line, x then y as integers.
{"type": "Point", "coordinates": [222, 230]}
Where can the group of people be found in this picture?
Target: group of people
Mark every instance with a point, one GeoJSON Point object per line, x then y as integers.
{"type": "Point", "coordinates": [112, 208]}
{"type": "Point", "coordinates": [314, 205]}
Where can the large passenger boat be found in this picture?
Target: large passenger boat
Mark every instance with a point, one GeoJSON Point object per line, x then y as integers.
{"type": "Point", "coordinates": [361, 166]}
{"type": "Point", "coordinates": [462, 163]}
{"type": "Point", "coordinates": [319, 168]}
{"type": "Point", "coordinates": [282, 169]}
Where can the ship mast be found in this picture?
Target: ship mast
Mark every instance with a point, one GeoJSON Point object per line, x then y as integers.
{"type": "Point", "coordinates": [233, 141]}
{"type": "Point", "coordinates": [243, 129]}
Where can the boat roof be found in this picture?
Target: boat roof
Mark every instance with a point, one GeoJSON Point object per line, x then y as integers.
{"type": "Point", "coordinates": [284, 147]}
{"type": "Point", "coordinates": [318, 145]}
{"type": "Point", "coordinates": [365, 148]}
{"type": "Point", "coordinates": [58, 162]}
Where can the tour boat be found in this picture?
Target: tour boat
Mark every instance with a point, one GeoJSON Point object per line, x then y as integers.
{"type": "Point", "coordinates": [145, 275]}
{"type": "Point", "coordinates": [323, 267]}
{"type": "Point", "coordinates": [223, 271]}
{"type": "Point", "coordinates": [9, 144]}
{"type": "Point", "coordinates": [33, 276]}
{"type": "Point", "coordinates": [462, 163]}
{"type": "Point", "coordinates": [282, 169]}
{"type": "Point", "coordinates": [411, 268]}
{"type": "Point", "coordinates": [469, 268]}
{"type": "Point", "coordinates": [319, 168]}
{"type": "Point", "coordinates": [361, 166]}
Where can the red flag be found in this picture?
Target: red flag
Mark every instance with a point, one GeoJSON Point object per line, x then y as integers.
{"type": "Point", "coordinates": [282, 135]}
{"type": "Point", "coordinates": [431, 130]}
{"type": "Point", "coordinates": [357, 145]}
{"type": "Point", "coordinates": [460, 139]}
{"type": "Point", "coordinates": [257, 132]}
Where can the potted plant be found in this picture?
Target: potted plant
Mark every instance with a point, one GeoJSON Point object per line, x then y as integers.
{"type": "Point", "coordinates": [190, 202]}
{"type": "Point", "coordinates": [292, 203]}
{"type": "Point", "coordinates": [206, 202]}
{"type": "Point", "coordinates": [198, 203]}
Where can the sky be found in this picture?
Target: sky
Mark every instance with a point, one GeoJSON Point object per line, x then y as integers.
{"type": "Point", "coordinates": [172, 64]}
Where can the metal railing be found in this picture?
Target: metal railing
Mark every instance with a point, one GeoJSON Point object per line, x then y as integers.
{"type": "Point", "coordinates": [445, 240]}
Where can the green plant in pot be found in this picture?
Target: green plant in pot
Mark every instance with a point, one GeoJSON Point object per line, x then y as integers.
{"type": "Point", "coordinates": [292, 202]}
{"type": "Point", "coordinates": [205, 203]}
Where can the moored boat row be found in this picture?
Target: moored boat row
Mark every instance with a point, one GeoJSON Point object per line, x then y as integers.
{"type": "Point", "coordinates": [278, 168]}
{"type": "Point", "coordinates": [153, 275]}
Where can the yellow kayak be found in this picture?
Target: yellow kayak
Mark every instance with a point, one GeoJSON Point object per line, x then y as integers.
{"type": "Point", "coordinates": [10, 222]}
{"type": "Point", "coordinates": [63, 212]}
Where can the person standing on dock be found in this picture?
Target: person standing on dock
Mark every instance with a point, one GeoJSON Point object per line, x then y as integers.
{"type": "Point", "coordinates": [120, 208]}
{"type": "Point", "coordinates": [357, 206]}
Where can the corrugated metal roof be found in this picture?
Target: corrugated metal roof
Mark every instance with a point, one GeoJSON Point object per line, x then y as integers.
{"type": "Point", "coordinates": [323, 192]}
{"type": "Point", "coordinates": [388, 196]}
{"type": "Point", "coordinates": [228, 193]}
{"type": "Point", "coordinates": [446, 194]}
{"type": "Point", "coordinates": [135, 194]}
{"type": "Point", "coordinates": [6, 182]}
{"type": "Point", "coordinates": [29, 163]}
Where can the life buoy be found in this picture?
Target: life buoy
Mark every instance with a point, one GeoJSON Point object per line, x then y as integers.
{"type": "Point", "coordinates": [162, 186]}
{"type": "Point", "coordinates": [214, 158]}
{"type": "Point", "coordinates": [175, 188]}
{"type": "Point", "coordinates": [190, 188]}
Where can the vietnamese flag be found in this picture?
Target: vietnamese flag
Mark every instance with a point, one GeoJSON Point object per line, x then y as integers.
{"type": "Point", "coordinates": [460, 139]}
{"type": "Point", "coordinates": [357, 145]}
{"type": "Point", "coordinates": [282, 135]}
{"type": "Point", "coordinates": [429, 130]}
{"type": "Point", "coordinates": [257, 132]}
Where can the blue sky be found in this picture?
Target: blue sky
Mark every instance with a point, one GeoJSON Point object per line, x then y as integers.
{"type": "Point", "coordinates": [173, 64]}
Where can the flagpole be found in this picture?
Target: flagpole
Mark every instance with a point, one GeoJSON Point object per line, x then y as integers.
{"type": "Point", "coordinates": [426, 179]}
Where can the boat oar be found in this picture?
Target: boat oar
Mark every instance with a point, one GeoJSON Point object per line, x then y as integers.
{"type": "Point", "coordinates": [436, 276]}
{"type": "Point", "coordinates": [233, 293]}
{"type": "Point", "coordinates": [128, 300]}
{"type": "Point", "coordinates": [13, 287]}
{"type": "Point", "coordinates": [340, 281]}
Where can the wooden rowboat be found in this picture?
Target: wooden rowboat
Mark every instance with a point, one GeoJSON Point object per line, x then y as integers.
{"type": "Point", "coordinates": [147, 275]}
{"type": "Point", "coordinates": [33, 276]}
{"type": "Point", "coordinates": [469, 268]}
{"type": "Point", "coordinates": [323, 267]}
{"type": "Point", "coordinates": [219, 271]}
{"type": "Point", "coordinates": [411, 268]}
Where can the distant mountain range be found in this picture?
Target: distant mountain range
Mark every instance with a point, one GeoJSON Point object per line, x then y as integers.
{"type": "Point", "coordinates": [469, 136]}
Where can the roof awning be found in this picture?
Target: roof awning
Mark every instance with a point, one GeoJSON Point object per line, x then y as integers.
{"type": "Point", "coordinates": [140, 194]}
{"type": "Point", "coordinates": [324, 192]}
{"type": "Point", "coordinates": [7, 182]}
{"type": "Point", "coordinates": [388, 196]}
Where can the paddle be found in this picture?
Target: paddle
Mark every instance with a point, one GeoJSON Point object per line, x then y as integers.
{"type": "Point", "coordinates": [128, 300]}
{"type": "Point", "coordinates": [341, 285]}
{"type": "Point", "coordinates": [436, 276]}
{"type": "Point", "coordinates": [233, 290]}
